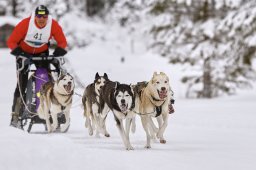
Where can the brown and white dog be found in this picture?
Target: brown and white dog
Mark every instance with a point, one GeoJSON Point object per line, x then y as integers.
{"type": "Point", "coordinates": [56, 97]}
{"type": "Point", "coordinates": [152, 101]}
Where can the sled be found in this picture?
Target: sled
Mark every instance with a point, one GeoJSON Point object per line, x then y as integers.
{"type": "Point", "coordinates": [37, 76]}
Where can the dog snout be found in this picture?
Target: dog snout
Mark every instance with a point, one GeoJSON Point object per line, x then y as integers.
{"type": "Point", "coordinates": [163, 88]}
{"type": "Point", "coordinates": [122, 101]}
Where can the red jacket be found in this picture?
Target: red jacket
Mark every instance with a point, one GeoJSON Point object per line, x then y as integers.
{"type": "Point", "coordinates": [19, 33]}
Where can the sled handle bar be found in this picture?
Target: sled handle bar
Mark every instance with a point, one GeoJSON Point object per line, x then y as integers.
{"type": "Point", "coordinates": [27, 58]}
{"type": "Point", "coordinates": [60, 59]}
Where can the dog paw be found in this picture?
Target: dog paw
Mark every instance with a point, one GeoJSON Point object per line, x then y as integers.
{"type": "Point", "coordinates": [90, 131]}
{"type": "Point", "coordinates": [107, 135]}
{"type": "Point", "coordinates": [64, 128]}
{"type": "Point", "coordinates": [147, 146]}
{"type": "Point", "coordinates": [129, 148]}
{"type": "Point", "coordinates": [163, 141]}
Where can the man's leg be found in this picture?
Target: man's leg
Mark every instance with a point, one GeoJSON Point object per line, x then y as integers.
{"type": "Point", "coordinates": [18, 106]}
{"type": "Point", "coordinates": [15, 108]}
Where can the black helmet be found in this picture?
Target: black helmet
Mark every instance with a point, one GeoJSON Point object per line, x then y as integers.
{"type": "Point", "coordinates": [42, 10]}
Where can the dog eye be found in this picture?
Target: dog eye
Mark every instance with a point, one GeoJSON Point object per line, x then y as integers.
{"type": "Point", "coordinates": [119, 96]}
{"type": "Point", "coordinates": [127, 95]}
{"type": "Point", "coordinates": [97, 82]}
{"type": "Point", "coordinates": [157, 82]}
{"type": "Point", "coordinates": [165, 81]}
{"type": "Point", "coordinates": [64, 79]}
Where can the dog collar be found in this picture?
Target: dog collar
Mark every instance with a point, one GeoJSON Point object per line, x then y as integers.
{"type": "Point", "coordinates": [66, 94]}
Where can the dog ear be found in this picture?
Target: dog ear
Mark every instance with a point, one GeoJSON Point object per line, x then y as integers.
{"type": "Point", "coordinates": [97, 75]}
{"type": "Point", "coordinates": [117, 84]}
{"type": "Point", "coordinates": [155, 73]}
{"type": "Point", "coordinates": [105, 76]}
{"type": "Point", "coordinates": [132, 87]}
{"type": "Point", "coordinates": [63, 72]}
{"type": "Point", "coordinates": [162, 73]}
{"type": "Point", "coordinates": [60, 75]}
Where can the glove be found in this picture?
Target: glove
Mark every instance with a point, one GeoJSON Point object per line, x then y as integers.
{"type": "Point", "coordinates": [172, 101]}
{"type": "Point", "coordinates": [59, 52]}
{"type": "Point", "coordinates": [17, 51]}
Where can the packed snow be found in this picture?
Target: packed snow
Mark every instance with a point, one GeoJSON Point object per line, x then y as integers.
{"type": "Point", "coordinates": [203, 134]}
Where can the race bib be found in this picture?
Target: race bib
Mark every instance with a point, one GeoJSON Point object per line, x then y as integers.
{"type": "Point", "coordinates": [37, 37]}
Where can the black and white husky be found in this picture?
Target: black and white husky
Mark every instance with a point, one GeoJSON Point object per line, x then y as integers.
{"type": "Point", "coordinates": [91, 103]}
{"type": "Point", "coordinates": [119, 98]}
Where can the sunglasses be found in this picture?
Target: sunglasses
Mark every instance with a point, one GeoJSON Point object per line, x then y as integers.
{"type": "Point", "coordinates": [40, 16]}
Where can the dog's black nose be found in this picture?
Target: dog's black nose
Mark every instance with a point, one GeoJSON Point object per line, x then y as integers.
{"type": "Point", "coordinates": [122, 101]}
{"type": "Point", "coordinates": [69, 83]}
{"type": "Point", "coordinates": [163, 88]}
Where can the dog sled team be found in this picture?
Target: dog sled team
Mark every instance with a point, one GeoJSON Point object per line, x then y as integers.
{"type": "Point", "coordinates": [148, 100]}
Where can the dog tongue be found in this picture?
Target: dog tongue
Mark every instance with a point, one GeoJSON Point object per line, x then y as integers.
{"type": "Point", "coordinates": [123, 108]}
{"type": "Point", "coordinates": [162, 94]}
{"type": "Point", "coordinates": [68, 88]}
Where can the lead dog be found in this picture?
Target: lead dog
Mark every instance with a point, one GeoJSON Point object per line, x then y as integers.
{"type": "Point", "coordinates": [56, 97]}
{"type": "Point", "coordinates": [152, 101]}
{"type": "Point", "coordinates": [91, 104]}
{"type": "Point", "coordinates": [119, 98]}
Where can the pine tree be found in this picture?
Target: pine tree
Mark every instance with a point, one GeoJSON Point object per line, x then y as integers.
{"type": "Point", "coordinates": [206, 35]}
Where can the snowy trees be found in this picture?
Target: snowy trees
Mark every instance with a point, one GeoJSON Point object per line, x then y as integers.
{"type": "Point", "coordinates": [215, 41]}
{"type": "Point", "coordinates": [98, 7]}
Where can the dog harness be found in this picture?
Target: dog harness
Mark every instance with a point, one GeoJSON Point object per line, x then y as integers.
{"type": "Point", "coordinates": [158, 108]}
{"type": "Point", "coordinates": [57, 102]}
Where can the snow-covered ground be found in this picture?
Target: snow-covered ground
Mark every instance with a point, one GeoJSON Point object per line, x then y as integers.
{"type": "Point", "coordinates": [202, 134]}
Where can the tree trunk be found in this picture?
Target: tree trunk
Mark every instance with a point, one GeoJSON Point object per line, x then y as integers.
{"type": "Point", "coordinates": [207, 89]}
{"type": "Point", "coordinates": [94, 7]}
{"type": "Point", "coordinates": [14, 8]}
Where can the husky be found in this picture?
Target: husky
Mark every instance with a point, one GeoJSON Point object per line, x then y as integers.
{"type": "Point", "coordinates": [119, 98]}
{"type": "Point", "coordinates": [56, 97]}
{"type": "Point", "coordinates": [91, 104]}
{"type": "Point", "coordinates": [153, 101]}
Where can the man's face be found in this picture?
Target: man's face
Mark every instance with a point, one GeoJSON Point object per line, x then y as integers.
{"type": "Point", "coordinates": [41, 20]}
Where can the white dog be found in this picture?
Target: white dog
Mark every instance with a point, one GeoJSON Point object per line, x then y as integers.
{"type": "Point", "coordinates": [152, 100]}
